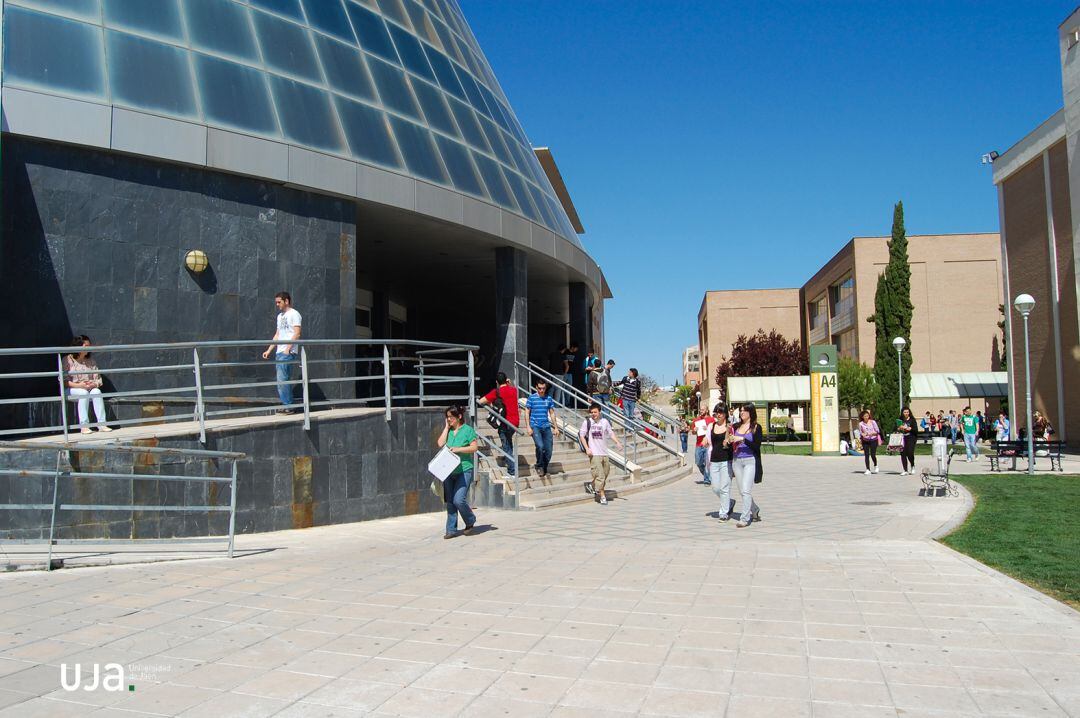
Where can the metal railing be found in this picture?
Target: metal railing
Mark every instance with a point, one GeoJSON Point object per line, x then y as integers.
{"type": "Point", "coordinates": [60, 473]}
{"type": "Point", "coordinates": [635, 427]}
{"type": "Point", "coordinates": [191, 378]}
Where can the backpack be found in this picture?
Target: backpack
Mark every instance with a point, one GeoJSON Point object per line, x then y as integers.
{"type": "Point", "coordinates": [603, 383]}
{"type": "Point", "coordinates": [497, 407]}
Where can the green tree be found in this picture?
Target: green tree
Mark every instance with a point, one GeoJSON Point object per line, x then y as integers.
{"type": "Point", "coordinates": [681, 399]}
{"type": "Point", "coordinates": [891, 319]}
{"type": "Point", "coordinates": [855, 388]}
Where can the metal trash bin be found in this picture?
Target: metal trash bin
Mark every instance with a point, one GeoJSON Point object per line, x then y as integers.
{"type": "Point", "coordinates": [940, 451]}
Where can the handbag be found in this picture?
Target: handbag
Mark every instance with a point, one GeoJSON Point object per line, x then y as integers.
{"type": "Point", "coordinates": [896, 441]}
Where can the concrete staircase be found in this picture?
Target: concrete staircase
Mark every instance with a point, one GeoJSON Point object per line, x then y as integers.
{"type": "Point", "coordinates": [648, 467]}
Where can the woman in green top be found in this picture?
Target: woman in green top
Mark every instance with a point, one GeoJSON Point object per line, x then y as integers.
{"type": "Point", "coordinates": [461, 438]}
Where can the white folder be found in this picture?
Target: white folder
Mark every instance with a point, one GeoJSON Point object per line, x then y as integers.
{"type": "Point", "coordinates": [443, 464]}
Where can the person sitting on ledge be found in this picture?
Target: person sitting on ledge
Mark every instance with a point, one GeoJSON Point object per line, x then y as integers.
{"type": "Point", "coordinates": [84, 384]}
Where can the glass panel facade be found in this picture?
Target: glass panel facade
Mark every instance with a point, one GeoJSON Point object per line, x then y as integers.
{"type": "Point", "coordinates": [46, 51]}
{"type": "Point", "coordinates": [234, 95]}
{"type": "Point", "coordinates": [150, 75]}
{"type": "Point", "coordinates": [306, 115]}
{"type": "Point", "coordinates": [157, 17]}
{"type": "Point", "coordinates": [368, 132]}
{"type": "Point", "coordinates": [419, 151]}
{"type": "Point", "coordinates": [338, 76]}
{"type": "Point", "coordinates": [345, 68]}
{"type": "Point", "coordinates": [221, 26]}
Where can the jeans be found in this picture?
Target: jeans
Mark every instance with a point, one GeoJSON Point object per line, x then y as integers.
{"type": "Point", "coordinates": [85, 396]}
{"type": "Point", "coordinates": [971, 445]}
{"type": "Point", "coordinates": [567, 398]}
{"type": "Point", "coordinates": [720, 473]}
{"type": "Point", "coordinates": [284, 374]}
{"type": "Point", "coordinates": [545, 444]}
{"type": "Point", "coordinates": [744, 475]}
{"type": "Point", "coordinates": [870, 446]}
{"type": "Point", "coordinates": [701, 459]}
{"type": "Point", "coordinates": [628, 408]}
{"type": "Point", "coordinates": [907, 453]}
{"type": "Point", "coordinates": [506, 437]}
{"type": "Point", "coordinates": [683, 438]}
{"type": "Point", "coordinates": [456, 494]}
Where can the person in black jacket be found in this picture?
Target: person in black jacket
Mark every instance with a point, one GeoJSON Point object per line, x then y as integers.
{"type": "Point", "coordinates": [745, 440]}
{"type": "Point", "coordinates": [910, 429]}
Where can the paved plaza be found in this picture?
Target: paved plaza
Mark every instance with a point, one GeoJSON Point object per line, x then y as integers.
{"type": "Point", "coordinates": [836, 604]}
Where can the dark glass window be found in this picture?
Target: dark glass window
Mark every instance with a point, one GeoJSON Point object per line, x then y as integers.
{"type": "Point", "coordinates": [234, 95]}
{"type": "Point", "coordinates": [160, 17]}
{"type": "Point", "coordinates": [496, 184]}
{"type": "Point", "coordinates": [150, 75]}
{"type": "Point", "coordinates": [472, 91]}
{"type": "Point", "coordinates": [393, 89]}
{"type": "Point", "coordinates": [419, 151]}
{"type": "Point", "coordinates": [329, 16]}
{"type": "Point", "coordinates": [288, 8]}
{"type": "Point", "coordinates": [412, 55]}
{"type": "Point", "coordinates": [392, 9]}
{"type": "Point", "coordinates": [431, 101]}
{"type": "Point", "coordinates": [221, 26]}
{"type": "Point", "coordinates": [496, 141]}
{"type": "Point", "coordinates": [306, 115]}
{"type": "Point", "coordinates": [371, 32]}
{"type": "Point", "coordinates": [48, 51]}
{"type": "Point", "coordinates": [345, 69]}
{"type": "Point", "coordinates": [286, 47]}
{"type": "Point", "coordinates": [460, 167]}
{"type": "Point", "coordinates": [444, 71]}
{"type": "Point", "coordinates": [517, 186]}
{"type": "Point", "coordinates": [470, 128]}
{"type": "Point", "coordinates": [368, 132]}
{"type": "Point", "coordinates": [85, 9]}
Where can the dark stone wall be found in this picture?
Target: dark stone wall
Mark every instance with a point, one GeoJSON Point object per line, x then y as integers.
{"type": "Point", "coordinates": [93, 243]}
{"type": "Point", "coordinates": [341, 471]}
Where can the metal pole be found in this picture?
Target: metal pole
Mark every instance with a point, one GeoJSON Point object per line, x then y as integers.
{"type": "Point", "coordinates": [386, 378]}
{"type": "Point", "coordinates": [63, 394]}
{"type": "Point", "coordinates": [472, 388]}
{"type": "Point", "coordinates": [900, 378]}
{"type": "Point", "coordinates": [306, 386]}
{"type": "Point", "coordinates": [232, 511]}
{"type": "Point", "coordinates": [200, 404]}
{"type": "Point", "coordinates": [1027, 375]}
{"type": "Point", "coordinates": [420, 371]}
{"type": "Point", "coordinates": [55, 506]}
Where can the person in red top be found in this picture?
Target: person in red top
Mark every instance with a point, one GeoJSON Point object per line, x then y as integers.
{"type": "Point", "coordinates": [702, 426]}
{"type": "Point", "coordinates": [503, 400]}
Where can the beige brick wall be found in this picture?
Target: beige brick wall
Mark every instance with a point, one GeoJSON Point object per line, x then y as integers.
{"type": "Point", "coordinates": [726, 314]}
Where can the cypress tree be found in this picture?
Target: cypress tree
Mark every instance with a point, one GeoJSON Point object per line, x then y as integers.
{"type": "Point", "coordinates": [891, 319]}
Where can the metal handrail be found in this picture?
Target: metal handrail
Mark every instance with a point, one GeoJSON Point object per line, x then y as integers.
{"type": "Point", "coordinates": [635, 426]}
{"type": "Point", "coordinates": [204, 390]}
{"type": "Point", "coordinates": [59, 473]}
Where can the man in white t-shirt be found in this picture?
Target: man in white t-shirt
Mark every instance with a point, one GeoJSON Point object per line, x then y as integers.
{"type": "Point", "coordinates": [593, 436]}
{"type": "Point", "coordinates": [288, 328]}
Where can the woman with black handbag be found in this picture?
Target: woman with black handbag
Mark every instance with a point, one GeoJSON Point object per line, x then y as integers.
{"type": "Point", "coordinates": [745, 440]}
{"type": "Point", "coordinates": [910, 429]}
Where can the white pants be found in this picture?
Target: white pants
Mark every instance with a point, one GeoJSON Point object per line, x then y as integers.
{"type": "Point", "coordinates": [744, 470]}
{"type": "Point", "coordinates": [84, 397]}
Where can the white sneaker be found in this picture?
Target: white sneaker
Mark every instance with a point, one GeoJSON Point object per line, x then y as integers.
{"type": "Point", "coordinates": [903, 473]}
{"type": "Point", "coordinates": [867, 472]}
{"type": "Point", "coordinates": [875, 469]}
{"type": "Point", "coordinates": [603, 500]}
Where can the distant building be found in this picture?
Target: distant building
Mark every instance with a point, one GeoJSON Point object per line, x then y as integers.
{"type": "Point", "coordinates": [691, 365]}
{"type": "Point", "coordinates": [1039, 210]}
{"type": "Point", "coordinates": [956, 287]}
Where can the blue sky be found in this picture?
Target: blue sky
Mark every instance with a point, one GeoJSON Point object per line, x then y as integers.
{"type": "Point", "coordinates": [734, 145]}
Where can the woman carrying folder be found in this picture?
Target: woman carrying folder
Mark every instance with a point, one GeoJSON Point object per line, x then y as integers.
{"type": "Point", "coordinates": [460, 438]}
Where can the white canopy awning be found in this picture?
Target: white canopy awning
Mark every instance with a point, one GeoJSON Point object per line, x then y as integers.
{"type": "Point", "coordinates": [775, 389]}
{"type": "Point", "coordinates": [946, 385]}
{"type": "Point", "coordinates": [960, 385]}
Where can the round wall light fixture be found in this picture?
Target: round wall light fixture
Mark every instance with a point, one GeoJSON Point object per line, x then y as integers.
{"type": "Point", "coordinates": [196, 261]}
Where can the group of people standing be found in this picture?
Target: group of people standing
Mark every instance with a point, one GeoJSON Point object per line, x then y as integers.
{"type": "Point", "coordinates": [728, 451]}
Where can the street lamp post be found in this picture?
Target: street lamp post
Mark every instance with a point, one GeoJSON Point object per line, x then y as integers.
{"type": "Point", "coordinates": [900, 343]}
{"type": "Point", "coordinates": [1024, 304]}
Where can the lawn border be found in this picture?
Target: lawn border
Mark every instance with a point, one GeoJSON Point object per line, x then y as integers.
{"type": "Point", "coordinates": [956, 521]}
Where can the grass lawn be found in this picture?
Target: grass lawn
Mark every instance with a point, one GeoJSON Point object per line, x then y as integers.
{"type": "Point", "coordinates": [1028, 528]}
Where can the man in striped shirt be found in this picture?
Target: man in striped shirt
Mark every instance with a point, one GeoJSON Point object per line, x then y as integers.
{"type": "Point", "coordinates": [630, 393]}
{"type": "Point", "coordinates": [540, 418]}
